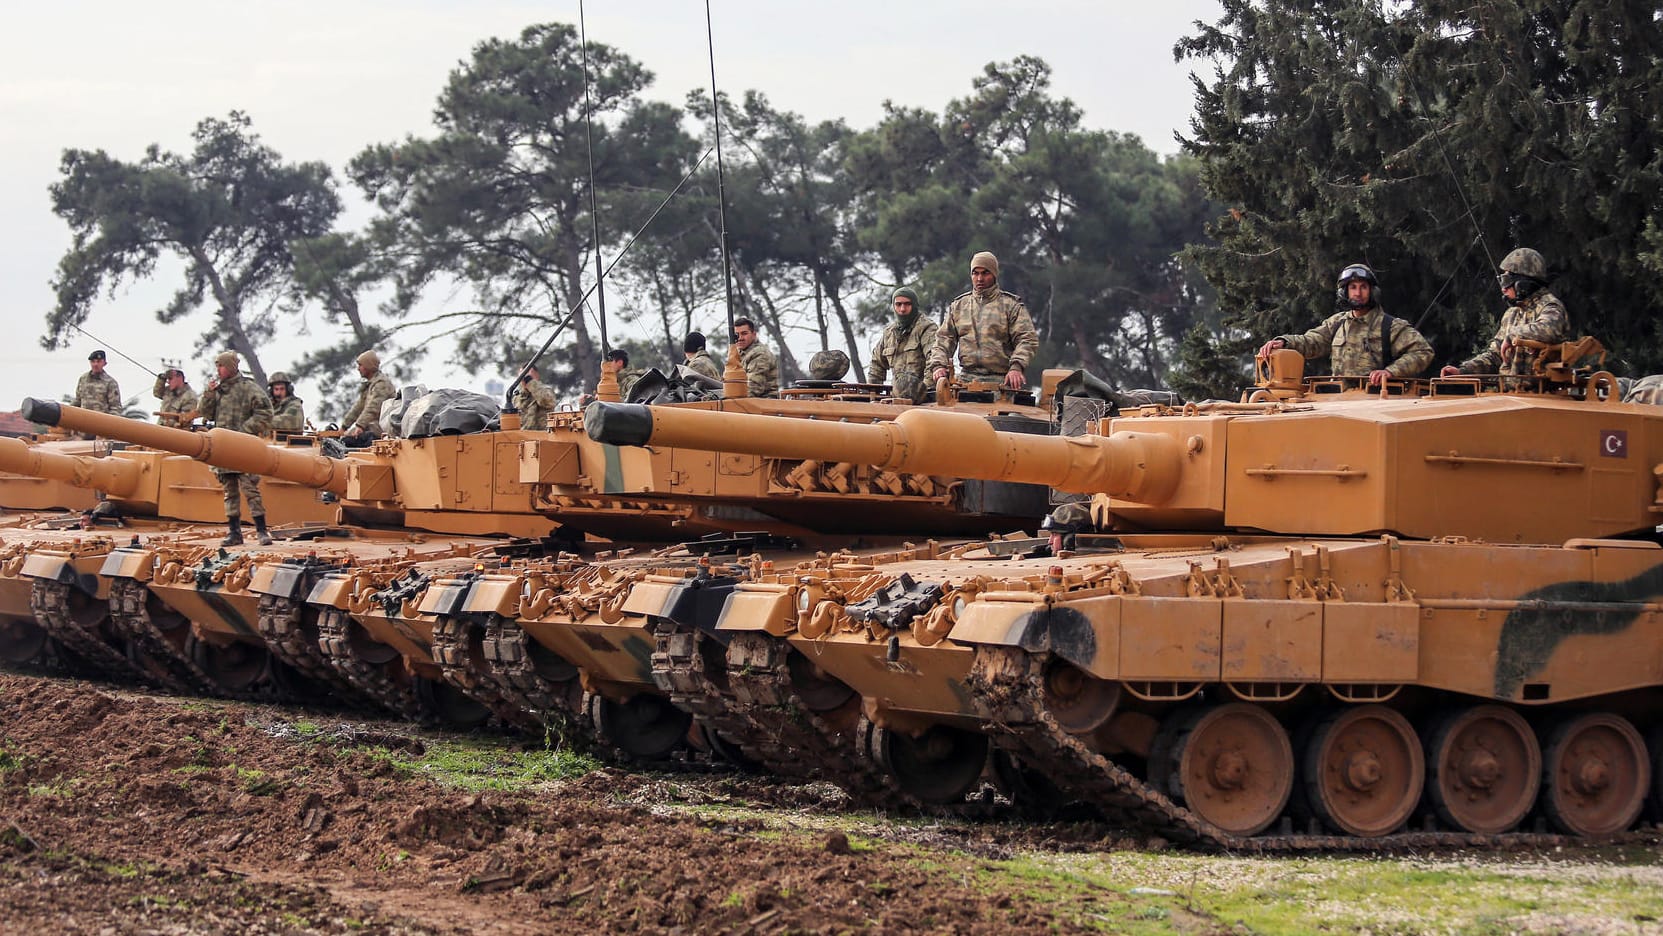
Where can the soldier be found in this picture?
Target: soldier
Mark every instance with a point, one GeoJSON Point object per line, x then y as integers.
{"type": "Point", "coordinates": [235, 401]}
{"type": "Point", "coordinates": [989, 327]}
{"type": "Point", "coordinates": [828, 365]}
{"type": "Point", "coordinates": [700, 359]}
{"type": "Point", "coordinates": [178, 399]}
{"type": "Point", "coordinates": [363, 420]}
{"type": "Point", "coordinates": [904, 348]}
{"type": "Point", "coordinates": [534, 400]}
{"type": "Point", "coordinates": [288, 413]}
{"type": "Point", "coordinates": [1361, 338]}
{"type": "Point", "coordinates": [96, 390]}
{"type": "Point", "coordinates": [762, 371]}
{"type": "Point", "coordinates": [1535, 315]}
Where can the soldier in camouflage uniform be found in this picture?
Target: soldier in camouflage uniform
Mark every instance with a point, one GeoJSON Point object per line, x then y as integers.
{"type": "Point", "coordinates": [762, 371]}
{"type": "Point", "coordinates": [1351, 338]}
{"type": "Point", "coordinates": [363, 421]}
{"type": "Point", "coordinates": [234, 401]}
{"type": "Point", "coordinates": [1534, 315]}
{"type": "Point", "coordinates": [989, 327]}
{"type": "Point", "coordinates": [534, 400]}
{"type": "Point", "coordinates": [178, 399]}
{"type": "Point", "coordinates": [904, 347]}
{"type": "Point", "coordinates": [96, 390]}
{"type": "Point", "coordinates": [700, 359]}
{"type": "Point", "coordinates": [288, 413]}
{"type": "Point", "coordinates": [828, 365]}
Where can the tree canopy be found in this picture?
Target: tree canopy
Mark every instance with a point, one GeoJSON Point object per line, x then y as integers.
{"type": "Point", "coordinates": [228, 210]}
{"type": "Point", "coordinates": [1428, 140]}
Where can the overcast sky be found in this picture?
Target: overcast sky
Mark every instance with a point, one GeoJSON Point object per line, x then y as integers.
{"type": "Point", "coordinates": [321, 80]}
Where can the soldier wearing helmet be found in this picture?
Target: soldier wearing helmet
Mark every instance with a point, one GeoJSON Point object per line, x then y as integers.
{"type": "Point", "coordinates": [1361, 339]}
{"type": "Point", "coordinates": [828, 365]}
{"type": "Point", "coordinates": [288, 413]}
{"type": "Point", "coordinates": [363, 420]}
{"type": "Point", "coordinates": [904, 347]}
{"type": "Point", "coordinates": [1533, 314]}
{"type": "Point", "coordinates": [178, 399]}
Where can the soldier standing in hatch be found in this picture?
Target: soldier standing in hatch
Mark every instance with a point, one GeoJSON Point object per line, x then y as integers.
{"type": "Point", "coordinates": [699, 358]}
{"type": "Point", "coordinates": [989, 327]}
{"type": "Point", "coordinates": [534, 400]}
{"type": "Point", "coordinates": [1534, 314]}
{"type": "Point", "coordinates": [904, 347]}
{"type": "Point", "coordinates": [288, 413]}
{"type": "Point", "coordinates": [97, 390]}
{"type": "Point", "coordinates": [363, 421]}
{"type": "Point", "coordinates": [234, 401]}
{"type": "Point", "coordinates": [762, 370]}
{"type": "Point", "coordinates": [178, 399]}
{"type": "Point", "coordinates": [1352, 338]}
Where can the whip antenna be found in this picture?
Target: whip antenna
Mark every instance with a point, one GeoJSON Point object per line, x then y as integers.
{"type": "Point", "coordinates": [589, 145]}
{"type": "Point", "coordinates": [721, 194]}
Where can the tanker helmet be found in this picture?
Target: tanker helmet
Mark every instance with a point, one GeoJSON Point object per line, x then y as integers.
{"type": "Point", "coordinates": [828, 365]}
{"type": "Point", "coordinates": [1524, 271]}
{"type": "Point", "coordinates": [1357, 271]}
{"type": "Point", "coordinates": [280, 377]}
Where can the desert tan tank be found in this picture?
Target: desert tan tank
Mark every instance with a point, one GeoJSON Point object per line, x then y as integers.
{"type": "Point", "coordinates": [1324, 617]}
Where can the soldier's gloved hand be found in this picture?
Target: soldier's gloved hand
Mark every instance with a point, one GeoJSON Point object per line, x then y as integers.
{"type": "Point", "coordinates": [1016, 380]}
{"type": "Point", "coordinates": [1507, 350]}
{"type": "Point", "coordinates": [1274, 344]}
{"type": "Point", "coordinates": [1378, 377]}
{"type": "Point", "coordinates": [939, 373]}
{"type": "Point", "coordinates": [1450, 370]}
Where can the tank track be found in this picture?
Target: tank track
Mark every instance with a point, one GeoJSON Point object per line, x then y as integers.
{"type": "Point", "coordinates": [367, 678]}
{"type": "Point", "coordinates": [280, 626]}
{"type": "Point", "coordinates": [455, 660]}
{"type": "Point", "coordinates": [557, 705]}
{"type": "Point", "coordinates": [761, 712]}
{"type": "Point", "coordinates": [131, 616]}
{"type": "Point", "coordinates": [1006, 683]}
{"type": "Point", "coordinates": [50, 602]}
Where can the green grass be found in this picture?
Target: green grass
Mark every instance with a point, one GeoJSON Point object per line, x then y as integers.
{"type": "Point", "coordinates": [477, 766]}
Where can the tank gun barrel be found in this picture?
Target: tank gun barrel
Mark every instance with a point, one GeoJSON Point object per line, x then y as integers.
{"type": "Point", "coordinates": [117, 476]}
{"type": "Point", "coordinates": [221, 448]}
{"type": "Point", "coordinates": [1135, 465]}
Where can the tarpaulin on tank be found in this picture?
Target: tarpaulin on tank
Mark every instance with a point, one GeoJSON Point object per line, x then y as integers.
{"type": "Point", "coordinates": [687, 386]}
{"type": "Point", "coordinates": [1083, 383]}
{"type": "Point", "coordinates": [448, 412]}
{"type": "Point", "coordinates": [392, 411]}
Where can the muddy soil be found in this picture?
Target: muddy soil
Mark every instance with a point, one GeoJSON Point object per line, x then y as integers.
{"type": "Point", "coordinates": [122, 812]}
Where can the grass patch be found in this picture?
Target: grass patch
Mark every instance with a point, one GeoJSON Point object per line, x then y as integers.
{"type": "Point", "coordinates": [10, 761]}
{"type": "Point", "coordinates": [480, 766]}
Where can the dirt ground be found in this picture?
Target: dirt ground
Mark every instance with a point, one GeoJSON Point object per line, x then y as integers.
{"type": "Point", "coordinates": [122, 812]}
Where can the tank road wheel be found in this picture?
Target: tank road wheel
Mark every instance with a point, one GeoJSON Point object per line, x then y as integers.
{"type": "Point", "coordinates": [941, 765]}
{"type": "Point", "coordinates": [647, 727]}
{"type": "Point", "coordinates": [1229, 764]}
{"type": "Point", "coordinates": [237, 668]}
{"type": "Point", "coordinates": [1080, 702]}
{"type": "Point", "coordinates": [1364, 770]}
{"type": "Point", "coordinates": [22, 641]}
{"type": "Point", "coordinates": [1655, 744]}
{"type": "Point", "coordinates": [1595, 774]}
{"type": "Point", "coordinates": [448, 705]}
{"type": "Point", "coordinates": [819, 691]}
{"type": "Point", "coordinates": [1484, 768]}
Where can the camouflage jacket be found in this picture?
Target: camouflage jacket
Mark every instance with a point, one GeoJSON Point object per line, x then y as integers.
{"type": "Point", "coordinates": [535, 401]}
{"type": "Point", "coordinates": [992, 332]}
{"type": "Point", "coordinates": [1648, 389]}
{"type": "Point", "coordinates": [1539, 318]}
{"type": "Point", "coordinates": [367, 411]}
{"type": "Point", "coordinates": [289, 415]}
{"type": "Point", "coordinates": [176, 404]}
{"type": "Point", "coordinates": [1353, 346]}
{"type": "Point", "coordinates": [906, 353]}
{"type": "Point", "coordinates": [99, 393]}
{"type": "Point", "coordinates": [705, 363]}
{"type": "Point", "coordinates": [762, 371]}
{"type": "Point", "coordinates": [238, 404]}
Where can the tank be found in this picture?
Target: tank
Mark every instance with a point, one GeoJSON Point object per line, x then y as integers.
{"type": "Point", "coordinates": [1325, 617]}
{"type": "Point", "coordinates": [544, 634]}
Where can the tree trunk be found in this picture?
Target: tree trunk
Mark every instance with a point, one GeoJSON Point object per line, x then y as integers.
{"type": "Point", "coordinates": [230, 317]}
